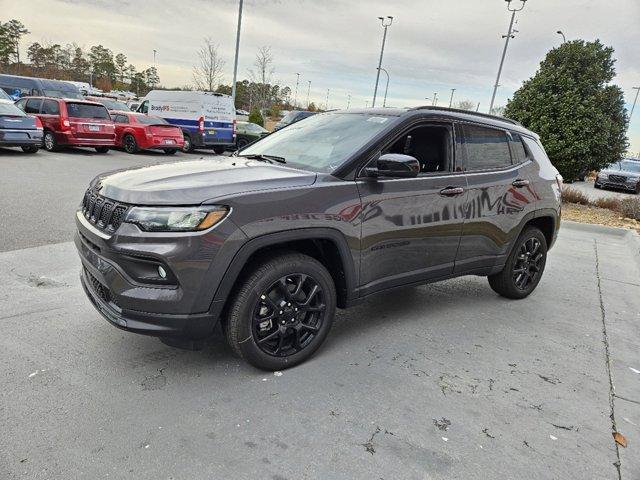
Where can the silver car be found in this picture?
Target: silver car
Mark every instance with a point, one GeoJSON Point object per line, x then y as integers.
{"type": "Point", "coordinates": [624, 175]}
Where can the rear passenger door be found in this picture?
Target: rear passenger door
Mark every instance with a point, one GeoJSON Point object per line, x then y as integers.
{"type": "Point", "coordinates": [50, 114]}
{"type": "Point", "coordinates": [498, 175]}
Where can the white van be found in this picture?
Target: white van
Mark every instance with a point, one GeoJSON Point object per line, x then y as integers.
{"type": "Point", "coordinates": [207, 119]}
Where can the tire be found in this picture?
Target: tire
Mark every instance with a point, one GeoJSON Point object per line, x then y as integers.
{"type": "Point", "coordinates": [524, 255]}
{"type": "Point", "coordinates": [130, 145]}
{"type": "Point", "coordinates": [188, 146]}
{"type": "Point", "coordinates": [30, 148]}
{"type": "Point", "coordinates": [49, 142]}
{"type": "Point", "coordinates": [102, 149]}
{"type": "Point", "coordinates": [243, 142]}
{"type": "Point", "coordinates": [597, 185]}
{"type": "Point", "coordinates": [170, 151]}
{"type": "Point", "coordinates": [260, 295]}
{"type": "Point", "coordinates": [219, 150]}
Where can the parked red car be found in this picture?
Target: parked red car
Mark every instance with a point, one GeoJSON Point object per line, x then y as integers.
{"type": "Point", "coordinates": [137, 131]}
{"type": "Point", "coordinates": [69, 122]}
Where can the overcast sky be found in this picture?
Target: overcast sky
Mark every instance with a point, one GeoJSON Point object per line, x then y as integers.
{"type": "Point", "coordinates": [432, 46]}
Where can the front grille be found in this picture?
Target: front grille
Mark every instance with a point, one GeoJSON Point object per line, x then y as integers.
{"type": "Point", "coordinates": [102, 212]}
{"type": "Point", "coordinates": [618, 178]}
{"type": "Point", "coordinates": [99, 289]}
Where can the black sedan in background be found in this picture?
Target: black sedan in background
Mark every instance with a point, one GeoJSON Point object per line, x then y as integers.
{"type": "Point", "coordinates": [17, 129]}
{"type": "Point", "coordinates": [624, 175]}
{"type": "Point", "coordinates": [248, 133]}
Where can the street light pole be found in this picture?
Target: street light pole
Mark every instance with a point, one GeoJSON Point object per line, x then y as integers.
{"type": "Point", "coordinates": [637, 89]}
{"type": "Point", "coordinates": [508, 37]}
{"type": "Point", "coordinates": [326, 103]}
{"type": "Point", "coordinates": [295, 98]}
{"type": "Point", "coordinates": [386, 89]}
{"type": "Point", "coordinates": [435, 98]}
{"type": "Point", "coordinates": [564, 39]}
{"type": "Point", "coordinates": [308, 92]}
{"type": "Point", "coordinates": [386, 22]}
{"type": "Point", "coordinates": [235, 61]}
{"type": "Point", "coordinates": [348, 101]}
{"type": "Point", "coordinates": [451, 99]}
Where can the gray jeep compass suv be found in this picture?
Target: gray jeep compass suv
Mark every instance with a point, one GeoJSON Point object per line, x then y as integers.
{"type": "Point", "coordinates": [316, 216]}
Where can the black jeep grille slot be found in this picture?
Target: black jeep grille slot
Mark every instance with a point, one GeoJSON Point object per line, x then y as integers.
{"type": "Point", "coordinates": [102, 212]}
{"type": "Point", "coordinates": [99, 289]}
{"type": "Point", "coordinates": [618, 178]}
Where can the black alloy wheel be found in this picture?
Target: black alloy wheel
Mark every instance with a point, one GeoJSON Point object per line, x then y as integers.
{"type": "Point", "coordinates": [130, 144]}
{"type": "Point", "coordinates": [288, 315]}
{"type": "Point", "coordinates": [528, 265]}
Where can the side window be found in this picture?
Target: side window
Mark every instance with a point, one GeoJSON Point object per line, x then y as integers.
{"type": "Point", "coordinates": [429, 144]}
{"type": "Point", "coordinates": [21, 104]}
{"type": "Point", "coordinates": [33, 105]}
{"type": "Point", "coordinates": [517, 148]}
{"type": "Point", "coordinates": [536, 150]}
{"type": "Point", "coordinates": [50, 107]}
{"type": "Point", "coordinates": [485, 148]}
{"type": "Point", "coordinates": [144, 108]}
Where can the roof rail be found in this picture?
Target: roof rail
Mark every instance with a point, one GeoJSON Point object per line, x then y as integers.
{"type": "Point", "coordinates": [467, 112]}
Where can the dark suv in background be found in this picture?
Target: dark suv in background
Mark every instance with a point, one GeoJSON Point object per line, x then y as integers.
{"type": "Point", "coordinates": [341, 206]}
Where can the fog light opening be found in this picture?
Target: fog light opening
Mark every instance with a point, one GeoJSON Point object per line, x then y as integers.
{"type": "Point", "coordinates": [162, 272]}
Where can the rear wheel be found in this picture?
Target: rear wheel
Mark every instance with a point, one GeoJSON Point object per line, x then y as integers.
{"type": "Point", "coordinates": [30, 148]}
{"type": "Point", "coordinates": [219, 150]}
{"type": "Point", "coordinates": [130, 144]}
{"type": "Point", "coordinates": [282, 312]}
{"type": "Point", "coordinates": [524, 267]}
{"type": "Point", "coordinates": [49, 142]}
{"type": "Point", "coordinates": [170, 151]}
{"type": "Point", "coordinates": [102, 149]}
{"type": "Point", "coordinates": [241, 143]}
{"type": "Point", "coordinates": [188, 146]}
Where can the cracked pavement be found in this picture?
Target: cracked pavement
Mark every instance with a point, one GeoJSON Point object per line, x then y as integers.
{"type": "Point", "coordinates": [444, 381]}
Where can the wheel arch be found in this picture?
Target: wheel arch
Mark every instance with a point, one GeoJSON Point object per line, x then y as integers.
{"type": "Point", "coordinates": [326, 245]}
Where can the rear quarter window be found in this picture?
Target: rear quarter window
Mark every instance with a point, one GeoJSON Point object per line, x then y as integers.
{"type": "Point", "coordinates": [87, 110]}
{"type": "Point", "coordinates": [50, 107]}
{"type": "Point", "coordinates": [517, 148]}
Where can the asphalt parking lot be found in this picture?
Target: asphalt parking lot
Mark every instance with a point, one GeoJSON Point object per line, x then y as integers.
{"type": "Point", "coordinates": [445, 381]}
{"type": "Point", "coordinates": [595, 193]}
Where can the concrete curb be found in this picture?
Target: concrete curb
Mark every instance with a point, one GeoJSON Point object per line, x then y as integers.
{"type": "Point", "coordinates": [630, 236]}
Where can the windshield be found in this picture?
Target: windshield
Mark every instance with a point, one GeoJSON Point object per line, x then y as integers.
{"type": "Point", "coordinates": [10, 109]}
{"type": "Point", "coordinates": [113, 104]}
{"type": "Point", "coordinates": [320, 143]}
{"type": "Point", "coordinates": [628, 165]}
{"type": "Point", "coordinates": [145, 120]}
{"type": "Point", "coordinates": [87, 110]}
{"type": "Point", "coordinates": [62, 94]}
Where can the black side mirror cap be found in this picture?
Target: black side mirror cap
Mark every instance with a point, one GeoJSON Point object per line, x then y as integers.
{"type": "Point", "coordinates": [394, 165]}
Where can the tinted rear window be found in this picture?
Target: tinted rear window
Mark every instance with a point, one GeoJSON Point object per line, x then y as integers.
{"type": "Point", "coordinates": [10, 109]}
{"type": "Point", "coordinates": [86, 110]}
{"type": "Point", "coordinates": [145, 120]}
{"type": "Point", "coordinates": [517, 148]}
{"type": "Point", "coordinates": [486, 148]}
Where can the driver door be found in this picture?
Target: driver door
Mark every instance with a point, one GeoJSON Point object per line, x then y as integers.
{"type": "Point", "coordinates": [411, 227]}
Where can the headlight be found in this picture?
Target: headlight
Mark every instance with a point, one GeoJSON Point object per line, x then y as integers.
{"type": "Point", "coordinates": [176, 219]}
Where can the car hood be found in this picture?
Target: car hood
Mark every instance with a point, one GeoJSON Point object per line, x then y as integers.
{"type": "Point", "coordinates": [197, 181]}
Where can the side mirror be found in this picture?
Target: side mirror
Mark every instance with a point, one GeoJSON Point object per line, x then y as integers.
{"type": "Point", "coordinates": [395, 165]}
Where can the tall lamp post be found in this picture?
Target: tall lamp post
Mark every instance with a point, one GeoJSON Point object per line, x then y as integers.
{"type": "Point", "coordinates": [295, 98]}
{"type": "Point", "coordinates": [348, 101]}
{"type": "Point", "coordinates": [507, 37]}
{"type": "Point", "coordinates": [435, 98]}
{"type": "Point", "coordinates": [308, 92]}
{"type": "Point", "coordinates": [326, 103]}
{"type": "Point", "coordinates": [386, 89]}
{"type": "Point", "coordinates": [637, 89]}
{"type": "Point", "coordinates": [564, 39]}
{"type": "Point", "coordinates": [235, 61]}
{"type": "Point", "coordinates": [386, 22]}
{"type": "Point", "coordinates": [451, 99]}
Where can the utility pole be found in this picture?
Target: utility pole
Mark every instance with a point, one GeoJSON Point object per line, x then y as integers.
{"type": "Point", "coordinates": [435, 99]}
{"type": "Point", "coordinates": [295, 98]}
{"type": "Point", "coordinates": [326, 103]}
{"type": "Point", "coordinates": [384, 103]}
{"type": "Point", "coordinates": [451, 99]}
{"type": "Point", "coordinates": [154, 57]}
{"type": "Point", "coordinates": [308, 92]}
{"type": "Point", "coordinates": [386, 22]}
{"type": "Point", "coordinates": [235, 61]}
{"type": "Point", "coordinates": [507, 37]}
{"type": "Point", "coordinates": [348, 101]}
{"type": "Point", "coordinates": [637, 89]}
{"type": "Point", "coordinates": [478, 107]}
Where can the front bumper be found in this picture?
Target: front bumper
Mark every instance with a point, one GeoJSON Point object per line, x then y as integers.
{"type": "Point", "coordinates": [116, 276]}
{"type": "Point", "coordinates": [629, 185]}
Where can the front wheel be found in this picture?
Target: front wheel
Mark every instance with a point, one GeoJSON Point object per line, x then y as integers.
{"type": "Point", "coordinates": [188, 146]}
{"type": "Point", "coordinates": [524, 267]}
{"type": "Point", "coordinates": [170, 151]}
{"type": "Point", "coordinates": [30, 148]}
{"type": "Point", "coordinates": [282, 311]}
{"type": "Point", "coordinates": [102, 149]}
{"type": "Point", "coordinates": [219, 150]}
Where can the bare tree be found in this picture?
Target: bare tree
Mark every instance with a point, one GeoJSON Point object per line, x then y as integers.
{"type": "Point", "coordinates": [466, 105]}
{"type": "Point", "coordinates": [207, 74]}
{"type": "Point", "coordinates": [262, 76]}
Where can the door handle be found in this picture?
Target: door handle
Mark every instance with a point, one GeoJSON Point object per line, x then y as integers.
{"type": "Point", "coordinates": [519, 183]}
{"type": "Point", "coordinates": [451, 191]}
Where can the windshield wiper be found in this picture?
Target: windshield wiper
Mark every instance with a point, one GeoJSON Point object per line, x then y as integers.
{"type": "Point", "coordinates": [264, 158]}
